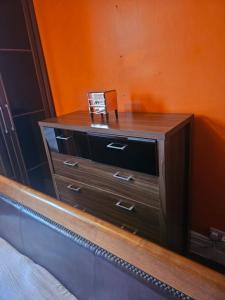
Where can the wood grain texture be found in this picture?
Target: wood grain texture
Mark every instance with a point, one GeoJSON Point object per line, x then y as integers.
{"type": "Point", "coordinates": [176, 182]}
{"type": "Point", "coordinates": [167, 191]}
{"type": "Point", "coordinates": [188, 276]}
{"type": "Point", "coordinates": [27, 95]}
{"type": "Point", "coordinates": [148, 125]}
{"type": "Point", "coordinates": [142, 188]}
{"type": "Point", "coordinates": [141, 219]}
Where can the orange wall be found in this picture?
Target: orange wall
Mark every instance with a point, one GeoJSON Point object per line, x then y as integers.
{"type": "Point", "coordinates": [166, 56]}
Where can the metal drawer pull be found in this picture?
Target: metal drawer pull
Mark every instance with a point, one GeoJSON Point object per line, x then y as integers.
{"type": "Point", "coordinates": [6, 106]}
{"type": "Point", "coordinates": [129, 228]}
{"type": "Point", "coordinates": [10, 117]}
{"type": "Point", "coordinates": [116, 146]}
{"type": "Point", "coordinates": [126, 178]}
{"type": "Point", "coordinates": [74, 189]}
{"type": "Point", "coordinates": [71, 163]}
{"type": "Point", "coordinates": [121, 205]}
{"type": "Point", "coordinates": [64, 138]}
{"type": "Point", "coordinates": [3, 120]}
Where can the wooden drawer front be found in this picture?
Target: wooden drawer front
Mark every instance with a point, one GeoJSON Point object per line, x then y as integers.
{"type": "Point", "coordinates": [129, 153]}
{"type": "Point", "coordinates": [118, 210]}
{"type": "Point", "coordinates": [67, 142]}
{"type": "Point", "coordinates": [137, 186]}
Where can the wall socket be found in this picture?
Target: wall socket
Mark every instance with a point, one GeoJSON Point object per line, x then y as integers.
{"type": "Point", "coordinates": [216, 235]}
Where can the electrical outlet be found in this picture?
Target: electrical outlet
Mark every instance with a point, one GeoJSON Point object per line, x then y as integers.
{"type": "Point", "coordinates": [216, 235]}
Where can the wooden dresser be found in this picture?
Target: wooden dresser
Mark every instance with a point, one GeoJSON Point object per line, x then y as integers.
{"type": "Point", "coordinates": [132, 172]}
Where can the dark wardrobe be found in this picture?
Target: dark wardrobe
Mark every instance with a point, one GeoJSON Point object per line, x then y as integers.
{"type": "Point", "coordinates": [25, 96]}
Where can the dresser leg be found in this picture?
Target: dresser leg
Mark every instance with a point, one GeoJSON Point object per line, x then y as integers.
{"type": "Point", "coordinates": [116, 113]}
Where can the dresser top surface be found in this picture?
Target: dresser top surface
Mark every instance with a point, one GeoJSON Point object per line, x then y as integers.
{"type": "Point", "coordinates": [154, 124]}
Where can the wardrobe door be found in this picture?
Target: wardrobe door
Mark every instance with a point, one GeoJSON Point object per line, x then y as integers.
{"type": "Point", "coordinates": [20, 81]}
{"type": "Point", "coordinates": [6, 167]}
{"type": "Point", "coordinates": [24, 102]}
{"type": "Point", "coordinates": [12, 164]}
{"type": "Point", "coordinates": [13, 33]}
{"type": "Point", "coordinates": [21, 117]}
{"type": "Point", "coordinates": [25, 95]}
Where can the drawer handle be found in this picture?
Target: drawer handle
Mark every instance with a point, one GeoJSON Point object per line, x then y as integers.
{"type": "Point", "coordinates": [10, 117]}
{"type": "Point", "coordinates": [73, 188]}
{"type": "Point", "coordinates": [123, 205]}
{"type": "Point", "coordinates": [129, 228]}
{"type": "Point", "coordinates": [126, 178]}
{"type": "Point", "coordinates": [71, 163]}
{"type": "Point", "coordinates": [115, 146]}
{"type": "Point", "coordinates": [3, 120]}
{"type": "Point", "coordinates": [64, 138]}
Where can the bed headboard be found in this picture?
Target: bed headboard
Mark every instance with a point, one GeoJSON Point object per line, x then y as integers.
{"type": "Point", "coordinates": [75, 248]}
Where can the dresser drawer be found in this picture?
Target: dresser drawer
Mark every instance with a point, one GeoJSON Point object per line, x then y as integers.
{"type": "Point", "coordinates": [118, 210]}
{"type": "Point", "coordinates": [125, 152]}
{"type": "Point", "coordinates": [137, 186]}
{"type": "Point", "coordinates": [67, 142]}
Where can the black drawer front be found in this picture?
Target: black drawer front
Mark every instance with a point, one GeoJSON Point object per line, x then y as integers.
{"type": "Point", "coordinates": [67, 142]}
{"type": "Point", "coordinates": [129, 153]}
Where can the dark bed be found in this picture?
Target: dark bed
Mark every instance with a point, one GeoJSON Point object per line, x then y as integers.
{"type": "Point", "coordinates": [86, 269]}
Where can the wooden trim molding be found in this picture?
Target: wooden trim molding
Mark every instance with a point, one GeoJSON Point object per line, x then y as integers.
{"type": "Point", "coordinates": [183, 274]}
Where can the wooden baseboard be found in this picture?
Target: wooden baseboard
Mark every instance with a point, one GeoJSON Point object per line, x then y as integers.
{"type": "Point", "coordinates": [201, 245]}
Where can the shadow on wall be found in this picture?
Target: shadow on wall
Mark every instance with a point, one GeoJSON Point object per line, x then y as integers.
{"type": "Point", "coordinates": [208, 165]}
{"type": "Point", "coordinates": [144, 103]}
{"type": "Point", "coordinates": [208, 175]}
